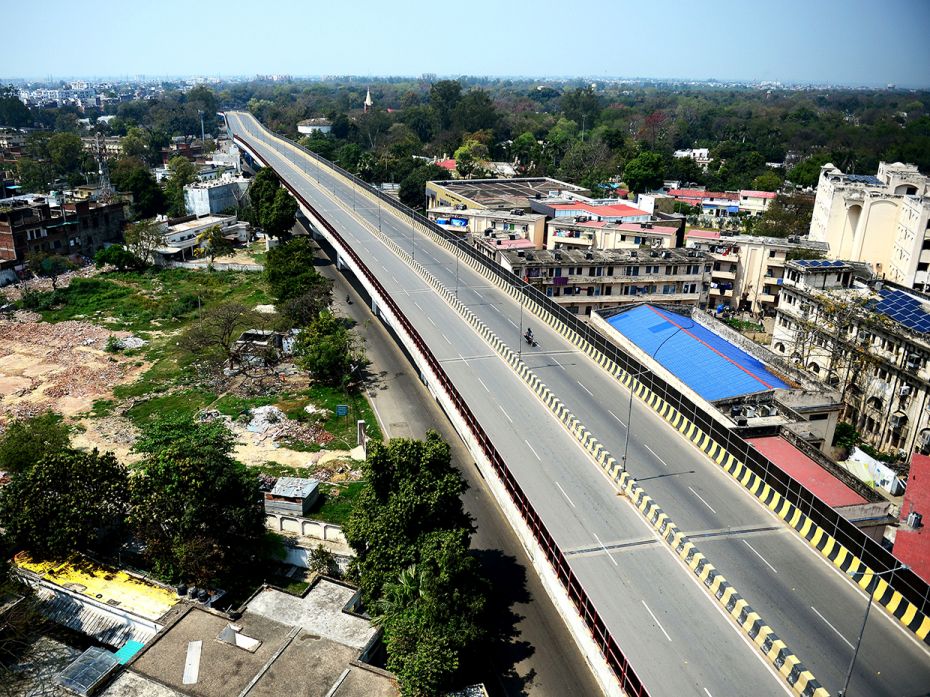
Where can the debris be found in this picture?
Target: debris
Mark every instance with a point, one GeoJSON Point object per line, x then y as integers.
{"type": "Point", "coordinates": [131, 342]}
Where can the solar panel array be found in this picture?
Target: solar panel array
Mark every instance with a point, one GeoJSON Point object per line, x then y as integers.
{"type": "Point", "coordinates": [820, 263]}
{"type": "Point", "coordinates": [904, 309]}
{"type": "Point", "coordinates": [864, 179]}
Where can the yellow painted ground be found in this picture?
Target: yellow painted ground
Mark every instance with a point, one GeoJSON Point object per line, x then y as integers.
{"type": "Point", "coordinates": [104, 584]}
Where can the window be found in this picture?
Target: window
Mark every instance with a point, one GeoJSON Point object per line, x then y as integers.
{"type": "Point", "coordinates": [772, 253]}
{"type": "Point", "coordinates": [610, 270]}
{"type": "Point", "coordinates": [668, 289]}
{"type": "Point", "coordinates": [632, 271]}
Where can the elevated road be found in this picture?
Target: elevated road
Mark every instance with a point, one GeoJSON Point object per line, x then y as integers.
{"type": "Point", "coordinates": [671, 630]}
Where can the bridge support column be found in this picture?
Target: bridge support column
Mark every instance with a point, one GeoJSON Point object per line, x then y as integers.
{"type": "Point", "coordinates": [340, 262]}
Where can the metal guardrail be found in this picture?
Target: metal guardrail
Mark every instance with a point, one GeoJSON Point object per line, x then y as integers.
{"type": "Point", "coordinates": [871, 553]}
{"type": "Point", "coordinates": [626, 676]}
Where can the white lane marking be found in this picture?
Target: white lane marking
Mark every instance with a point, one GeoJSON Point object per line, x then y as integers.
{"type": "Point", "coordinates": [558, 363]}
{"type": "Point", "coordinates": [654, 455]}
{"type": "Point", "coordinates": [707, 692]}
{"type": "Point", "coordinates": [617, 418]}
{"type": "Point", "coordinates": [483, 385]}
{"type": "Point", "coordinates": [512, 322]}
{"type": "Point", "coordinates": [505, 413]}
{"type": "Point", "coordinates": [764, 561]}
{"type": "Point", "coordinates": [418, 306]}
{"type": "Point", "coordinates": [848, 643]}
{"type": "Point", "coordinates": [585, 388]}
{"type": "Point", "coordinates": [565, 495]}
{"type": "Point", "coordinates": [478, 294]}
{"type": "Point", "coordinates": [703, 501]}
{"type": "Point", "coordinates": [656, 620]}
{"type": "Point", "coordinates": [374, 406]}
{"type": "Point", "coordinates": [531, 448]}
{"type": "Point", "coordinates": [605, 550]}
{"type": "Point", "coordinates": [494, 307]}
{"type": "Point", "coordinates": [431, 321]}
{"type": "Point", "coordinates": [446, 338]}
{"type": "Point", "coordinates": [395, 279]}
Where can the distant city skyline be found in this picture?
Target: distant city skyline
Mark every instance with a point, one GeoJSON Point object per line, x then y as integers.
{"type": "Point", "coordinates": [849, 43]}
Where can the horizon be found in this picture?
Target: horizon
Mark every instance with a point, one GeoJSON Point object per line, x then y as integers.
{"type": "Point", "coordinates": [792, 43]}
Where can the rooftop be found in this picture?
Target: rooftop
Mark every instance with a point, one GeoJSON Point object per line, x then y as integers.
{"type": "Point", "coordinates": [821, 264]}
{"type": "Point", "coordinates": [589, 257]}
{"type": "Point", "coordinates": [616, 210]}
{"type": "Point", "coordinates": [903, 308]}
{"type": "Point", "coordinates": [505, 193]}
{"type": "Point", "coordinates": [803, 469]}
{"type": "Point", "coordinates": [197, 223]}
{"type": "Point", "coordinates": [912, 545]}
{"type": "Point", "coordinates": [294, 487]}
{"type": "Point", "coordinates": [706, 362]}
{"type": "Point", "coordinates": [756, 194]}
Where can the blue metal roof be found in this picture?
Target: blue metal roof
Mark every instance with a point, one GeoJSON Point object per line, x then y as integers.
{"type": "Point", "coordinates": [819, 263]}
{"type": "Point", "coordinates": [903, 308]}
{"type": "Point", "coordinates": [704, 361]}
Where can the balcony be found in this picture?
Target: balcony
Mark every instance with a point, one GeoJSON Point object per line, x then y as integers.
{"type": "Point", "coordinates": [723, 275]}
{"type": "Point", "coordinates": [720, 293]}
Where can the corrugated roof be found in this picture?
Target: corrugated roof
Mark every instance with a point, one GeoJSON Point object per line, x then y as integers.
{"type": "Point", "coordinates": [913, 546]}
{"type": "Point", "coordinates": [706, 362]}
{"type": "Point", "coordinates": [294, 487]}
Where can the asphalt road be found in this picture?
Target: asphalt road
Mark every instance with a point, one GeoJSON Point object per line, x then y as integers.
{"type": "Point", "coordinates": [534, 653]}
{"type": "Point", "coordinates": [809, 604]}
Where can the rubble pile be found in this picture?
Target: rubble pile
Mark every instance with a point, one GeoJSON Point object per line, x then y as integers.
{"type": "Point", "coordinates": [62, 335]}
{"type": "Point", "coordinates": [270, 423]}
{"type": "Point", "coordinates": [15, 292]}
{"type": "Point", "coordinates": [85, 380]}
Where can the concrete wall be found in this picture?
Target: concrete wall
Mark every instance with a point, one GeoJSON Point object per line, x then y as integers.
{"type": "Point", "coordinates": [305, 527]}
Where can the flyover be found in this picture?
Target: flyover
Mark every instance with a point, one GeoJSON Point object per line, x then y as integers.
{"type": "Point", "coordinates": [671, 630]}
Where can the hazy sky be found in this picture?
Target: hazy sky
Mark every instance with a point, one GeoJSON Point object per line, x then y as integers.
{"type": "Point", "coordinates": [857, 42]}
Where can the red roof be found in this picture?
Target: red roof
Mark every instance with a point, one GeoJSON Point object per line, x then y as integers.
{"type": "Point", "coordinates": [803, 469]}
{"type": "Point", "coordinates": [521, 243]}
{"type": "Point", "coordinates": [704, 234]}
{"type": "Point", "coordinates": [697, 193]}
{"type": "Point", "coordinates": [757, 194]}
{"type": "Point", "coordinates": [446, 164]}
{"type": "Point", "coordinates": [618, 210]}
{"type": "Point", "coordinates": [912, 547]}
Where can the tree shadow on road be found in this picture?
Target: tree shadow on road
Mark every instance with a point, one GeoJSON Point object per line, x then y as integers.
{"type": "Point", "coordinates": [497, 661]}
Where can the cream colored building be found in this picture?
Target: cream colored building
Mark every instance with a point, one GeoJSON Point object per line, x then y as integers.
{"type": "Point", "coordinates": [881, 219]}
{"type": "Point", "coordinates": [477, 221]}
{"type": "Point", "coordinates": [748, 270]}
{"type": "Point", "coordinates": [598, 234]}
{"type": "Point", "coordinates": [870, 341]}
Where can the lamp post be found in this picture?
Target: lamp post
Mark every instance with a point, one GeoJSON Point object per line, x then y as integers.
{"type": "Point", "coordinates": [629, 417]}
{"type": "Point", "coordinates": [845, 691]}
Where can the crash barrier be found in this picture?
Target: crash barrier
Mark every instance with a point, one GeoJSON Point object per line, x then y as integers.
{"type": "Point", "coordinates": [750, 622]}
{"type": "Point", "coordinates": [620, 667]}
{"type": "Point", "coordinates": [902, 592]}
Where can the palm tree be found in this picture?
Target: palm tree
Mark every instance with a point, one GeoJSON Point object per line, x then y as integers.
{"type": "Point", "coordinates": [399, 595]}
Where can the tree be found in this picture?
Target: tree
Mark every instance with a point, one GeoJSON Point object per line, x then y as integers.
{"type": "Point", "coordinates": [212, 243]}
{"type": "Point", "coordinates": [475, 112]}
{"type": "Point", "coordinates": [197, 509]}
{"type": "Point", "coordinates": [34, 175]}
{"type": "Point", "coordinates": [329, 350]}
{"type": "Point", "coordinates": [68, 501]}
{"type": "Point", "coordinates": [413, 187]}
{"type": "Point", "coordinates": [644, 172]}
{"type": "Point", "coordinates": [26, 441]}
{"type": "Point", "coordinates": [300, 292]}
{"type": "Point", "coordinates": [131, 174]}
{"type": "Point", "coordinates": [181, 172]}
{"type": "Point", "coordinates": [118, 256]}
{"type": "Point", "coordinates": [143, 238]}
{"type": "Point", "coordinates": [49, 265]}
{"type": "Point", "coordinates": [470, 157]}
{"type": "Point", "coordinates": [767, 181]}
{"type": "Point", "coordinates": [789, 214]}
{"type": "Point", "coordinates": [13, 113]}
{"type": "Point", "coordinates": [278, 219]}
{"type": "Point", "coordinates": [444, 96]}
{"type": "Point", "coordinates": [582, 106]}
{"type": "Point", "coordinates": [212, 337]}
{"type": "Point", "coordinates": [67, 153]}
{"type": "Point", "coordinates": [261, 193]}
{"type": "Point", "coordinates": [807, 172]}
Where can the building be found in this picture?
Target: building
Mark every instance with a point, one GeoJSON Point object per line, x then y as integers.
{"type": "Point", "coordinates": [912, 540]}
{"type": "Point", "coordinates": [584, 281]}
{"type": "Point", "coordinates": [292, 496]}
{"type": "Point", "coordinates": [308, 126]}
{"type": "Point", "coordinates": [478, 221]}
{"type": "Point", "coordinates": [713, 204]}
{"type": "Point", "coordinates": [56, 227]}
{"type": "Point", "coordinates": [882, 219]}
{"type": "Point", "coordinates": [613, 211]}
{"type": "Point", "coordinates": [500, 194]}
{"type": "Point", "coordinates": [700, 155]}
{"type": "Point", "coordinates": [744, 386]}
{"type": "Point", "coordinates": [181, 235]}
{"type": "Point", "coordinates": [755, 202]}
{"type": "Point", "coordinates": [748, 269]}
{"type": "Point", "coordinates": [214, 196]}
{"type": "Point", "coordinates": [562, 233]}
{"type": "Point", "coordinates": [109, 146]}
{"type": "Point", "coordinates": [869, 340]}
{"type": "Point", "coordinates": [311, 645]}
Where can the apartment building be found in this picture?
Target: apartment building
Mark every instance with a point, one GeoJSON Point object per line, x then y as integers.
{"type": "Point", "coordinates": [584, 281]}
{"type": "Point", "coordinates": [748, 270]}
{"type": "Point", "coordinates": [868, 339]}
{"type": "Point", "coordinates": [477, 221]}
{"type": "Point", "coordinates": [882, 219]}
{"type": "Point", "coordinates": [574, 233]}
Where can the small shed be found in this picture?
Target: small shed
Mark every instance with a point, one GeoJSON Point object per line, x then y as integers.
{"type": "Point", "coordinates": [292, 496]}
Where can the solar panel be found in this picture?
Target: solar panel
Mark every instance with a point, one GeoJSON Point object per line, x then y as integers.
{"type": "Point", "coordinates": [903, 309]}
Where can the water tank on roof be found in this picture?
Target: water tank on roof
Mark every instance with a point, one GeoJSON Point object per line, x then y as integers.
{"type": "Point", "coordinates": [914, 519]}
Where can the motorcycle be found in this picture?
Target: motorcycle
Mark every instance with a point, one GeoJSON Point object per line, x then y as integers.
{"type": "Point", "coordinates": [530, 339]}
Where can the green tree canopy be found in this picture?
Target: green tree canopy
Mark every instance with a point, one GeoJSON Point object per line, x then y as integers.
{"type": "Point", "coordinates": [300, 292]}
{"type": "Point", "coordinates": [197, 509]}
{"type": "Point", "coordinates": [329, 350]}
{"type": "Point", "coordinates": [807, 172]}
{"type": "Point", "coordinates": [273, 208]}
{"type": "Point", "coordinates": [789, 214]}
{"type": "Point", "coordinates": [67, 501]}
{"type": "Point", "coordinates": [13, 112]}
{"type": "Point", "coordinates": [118, 256]}
{"type": "Point", "coordinates": [413, 187]}
{"type": "Point", "coordinates": [181, 172]}
{"type": "Point", "coordinates": [644, 172]}
{"type": "Point", "coordinates": [26, 441]}
{"type": "Point", "coordinates": [131, 174]}
{"type": "Point", "coordinates": [767, 181]}
{"type": "Point", "coordinates": [143, 238]}
{"type": "Point", "coordinates": [212, 244]}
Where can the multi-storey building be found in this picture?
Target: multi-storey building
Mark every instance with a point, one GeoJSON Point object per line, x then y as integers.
{"type": "Point", "coordinates": [869, 340]}
{"type": "Point", "coordinates": [882, 219]}
{"type": "Point", "coordinates": [478, 221]}
{"type": "Point", "coordinates": [584, 281]}
{"type": "Point", "coordinates": [747, 269]}
{"type": "Point", "coordinates": [68, 228]}
{"type": "Point", "coordinates": [573, 233]}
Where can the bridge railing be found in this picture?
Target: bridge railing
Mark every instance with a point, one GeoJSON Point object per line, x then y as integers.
{"type": "Point", "coordinates": [870, 552]}
{"type": "Point", "coordinates": [626, 676]}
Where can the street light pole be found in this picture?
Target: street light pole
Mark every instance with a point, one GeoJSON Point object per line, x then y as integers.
{"type": "Point", "coordinates": [844, 692]}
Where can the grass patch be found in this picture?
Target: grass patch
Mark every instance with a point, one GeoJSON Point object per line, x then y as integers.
{"type": "Point", "coordinates": [101, 408]}
{"type": "Point", "coordinates": [233, 406]}
{"type": "Point", "coordinates": [336, 502]}
{"type": "Point", "coordinates": [184, 403]}
{"type": "Point", "coordinates": [744, 326]}
{"type": "Point", "coordinates": [276, 469]}
{"type": "Point", "coordinates": [342, 427]}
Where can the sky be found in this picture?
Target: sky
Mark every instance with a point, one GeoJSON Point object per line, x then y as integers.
{"type": "Point", "coordinates": [848, 42]}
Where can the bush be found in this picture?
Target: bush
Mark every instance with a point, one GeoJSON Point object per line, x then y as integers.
{"type": "Point", "coordinates": [113, 345]}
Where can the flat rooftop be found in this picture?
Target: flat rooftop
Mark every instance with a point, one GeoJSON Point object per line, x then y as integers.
{"type": "Point", "coordinates": [593, 257]}
{"type": "Point", "coordinates": [198, 223]}
{"type": "Point", "coordinates": [505, 193]}
{"type": "Point", "coordinates": [803, 469]}
{"type": "Point", "coordinates": [707, 363]}
{"type": "Point", "coordinates": [912, 546]}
